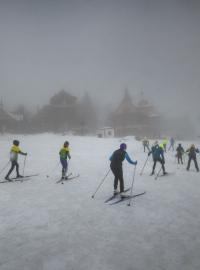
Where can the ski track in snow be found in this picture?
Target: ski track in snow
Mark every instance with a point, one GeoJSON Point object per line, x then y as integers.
{"type": "Point", "coordinates": [49, 226]}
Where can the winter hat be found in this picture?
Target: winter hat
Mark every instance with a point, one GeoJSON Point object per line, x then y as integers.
{"type": "Point", "coordinates": [123, 146]}
{"type": "Point", "coordinates": [66, 144]}
{"type": "Point", "coordinates": [16, 142]}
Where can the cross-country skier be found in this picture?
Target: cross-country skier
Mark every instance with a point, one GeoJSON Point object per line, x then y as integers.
{"type": "Point", "coordinates": [158, 156]}
{"type": "Point", "coordinates": [164, 143]}
{"type": "Point", "coordinates": [64, 154]}
{"type": "Point", "coordinates": [116, 166]}
{"type": "Point", "coordinates": [145, 143]}
{"type": "Point", "coordinates": [15, 150]}
{"type": "Point", "coordinates": [192, 156]}
{"type": "Point", "coordinates": [179, 153]}
{"type": "Point", "coordinates": [172, 142]}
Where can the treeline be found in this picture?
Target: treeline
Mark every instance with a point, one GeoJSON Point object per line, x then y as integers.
{"type": "Point", "coordinates": [63, 113]}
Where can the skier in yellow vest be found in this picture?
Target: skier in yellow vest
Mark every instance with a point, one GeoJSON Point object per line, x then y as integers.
{"type": "Point", "coordinates": [64, 154]}
{"type": "Point", "coordinates": [15, 150]}
{"type": "Point", "coordinates": [164, 143]}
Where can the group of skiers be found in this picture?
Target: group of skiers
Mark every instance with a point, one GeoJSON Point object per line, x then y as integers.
{"type": "Point", "coordinates": [64, 154]}
{"type": "Point", "coordinates": [157, 151]}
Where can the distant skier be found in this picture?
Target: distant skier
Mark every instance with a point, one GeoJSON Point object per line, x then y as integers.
{"type": "Point", "coordinates": [116, 166]}
{"type": "Point", "coordinates": [164, 143]}
{"type": "Point", "coordinates": [192, 156]}
{"type": "Point", "coordinates": [145, 143]}
{"type": "Point", "coordinates": [15, 150]}
{"type": "Point", "coordinates": [172, 143]}
{"type": "Point", "coordinates": [153, 148]}
{"type": "Point", "coordinates": [158, 156]}
{"type": "Point", "coordinates": [179, 153]}
{"type": "Point", "coordinates": [64, 154]}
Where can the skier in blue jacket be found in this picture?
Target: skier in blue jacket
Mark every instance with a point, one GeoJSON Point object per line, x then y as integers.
{"type": "Point", "coordinates": [157, 152]}
{"type": "Point", "coordinates": [116, 166]}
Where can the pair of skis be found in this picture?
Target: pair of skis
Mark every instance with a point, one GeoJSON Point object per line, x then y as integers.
{"type": "Point", "coordinates": [68, 178]}
{"type": "Point", "coordinates": [115, 195]}
{"type": "Point", "coordinates": [21, 179]}
{"type": "Point", "coordinates": [123, 198]}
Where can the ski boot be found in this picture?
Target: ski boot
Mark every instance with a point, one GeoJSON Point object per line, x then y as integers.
{"type": "Point", "coordinates": [115, 192]}
{"type": "Point", "coordinates": [124, 195]}
{"type": "Point", "coordinates": [8, 179]}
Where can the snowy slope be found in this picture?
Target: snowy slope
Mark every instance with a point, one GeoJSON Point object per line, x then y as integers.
{"type": "Point", "coordinates": [49, 226]}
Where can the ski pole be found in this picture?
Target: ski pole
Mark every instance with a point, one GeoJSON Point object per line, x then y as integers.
{"type": "Point", "coordinates": [144, 165]}
{"type": "Point", "coordinates": [24, 165]}
{"type": "Point", "coordinates": [129, 203]}
{"type": "Point", "coordinates": [156, 177]}
{"type": "Point", "coordinates": [48, 175]}
{"type": "Point", "coordinates": [101, 183]}
{"type": "Point", "coordinates": [184, 156]}
{"type": "Point", "coordinates": [4, 167]}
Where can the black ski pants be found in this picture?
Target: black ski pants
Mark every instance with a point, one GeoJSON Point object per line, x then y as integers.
{"type": "Point", "coordinates": [161, 162]}
{"type": "Point", "coordinates": [180, 159]}
{"type": "Point", "coordinates": [195, 163]}
{"type": "Point", "coordinates": [13, 165]}
{"type": "Point", "coordinates": [118, 173]}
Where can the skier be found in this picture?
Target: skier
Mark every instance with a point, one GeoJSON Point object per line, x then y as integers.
{"type": "Point", "coordinates": [145, 143]}
{"type": "Point", "coordinates": [15, 150]}
{"type": "Point", "coordinates": [154, 146]}
{"type": "Point", "coordinates": [64, 154]}
{"type": "Point", "coordinates": [116, 166]}
{"type": "Point", "coordinates": [164, 143]}
{"type": "Point", "coordinates": [180, 151]}
{"type": "Point", "coordinates": [192, 156]}
{"type": "Point", "coordinates": [172, 142]}
{"type": "Point", "coordinates": [158, 156]}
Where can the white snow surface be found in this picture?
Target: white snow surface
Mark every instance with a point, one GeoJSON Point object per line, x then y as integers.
{"type": "Point", "coordinates": [49, 226]}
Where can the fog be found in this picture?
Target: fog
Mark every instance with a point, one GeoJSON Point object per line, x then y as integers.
{"type": "Point", "coordinates": [103, 47]}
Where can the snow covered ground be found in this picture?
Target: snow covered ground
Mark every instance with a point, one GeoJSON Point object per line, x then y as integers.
{"type": "Point", "coordinates": [49, 226]}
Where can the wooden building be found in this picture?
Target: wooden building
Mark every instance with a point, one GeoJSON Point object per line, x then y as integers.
{"type": "Point", "coordinates": [139, 119]}
{"type": "Point", "coordinates": [59, 115]}
{"type": "Point", "coordinates": [7, 122]}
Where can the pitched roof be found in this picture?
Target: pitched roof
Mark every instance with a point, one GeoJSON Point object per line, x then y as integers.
{"type": "Point", "coordinates": [126, 105]}
{"type": "Point", "coordinates": [62, 99]}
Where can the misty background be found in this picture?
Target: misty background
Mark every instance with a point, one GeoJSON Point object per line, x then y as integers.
{"type": "Point", "coordinates": [102, 47]}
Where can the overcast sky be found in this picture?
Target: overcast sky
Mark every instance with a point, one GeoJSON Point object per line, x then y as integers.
{"type": "Point", "coordinates": [101, 46]}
